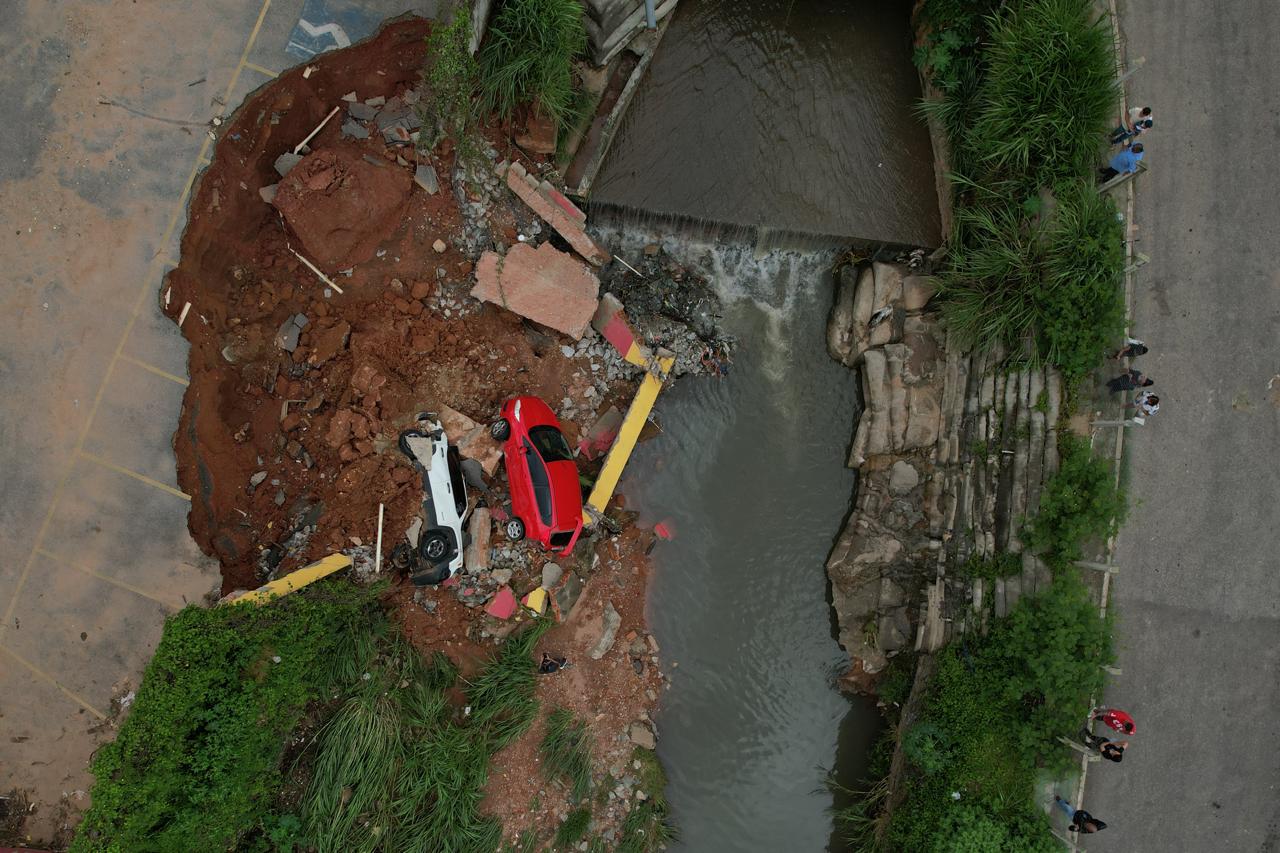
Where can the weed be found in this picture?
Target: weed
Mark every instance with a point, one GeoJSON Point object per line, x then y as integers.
{"type": "Point", "coordinates": [573, 829]}
{"type": "Point", "coordinates": [991, 568]}
{"type": "Point", "coordinates": [566, 753]}
{"type": "Point", "coordinates": [527, 58]}
{"type": "Point", "coordinates": [1080, 502]}
{"type": "Point", "coordinates": [450, 81]}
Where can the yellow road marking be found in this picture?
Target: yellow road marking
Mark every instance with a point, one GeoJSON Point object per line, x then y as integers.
{"type": "Point", "coordinates": [153, 369]}
{"type": "Point", "coordinates": [128, 472]}
{"type": "Point", "coordinates": [53, 682]}
{"type": "Point", "coordinates": [179, 208]}
{"type": "Point", "coordinates": [266, 72]}
{"type": "Point", "coordinates": [168, 605]}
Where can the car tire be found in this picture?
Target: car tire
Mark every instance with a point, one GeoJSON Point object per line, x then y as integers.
{"type": "Point", "coordinates": [515, 529]}
{"type": "Point", "coordinates": [435, 546]}
{"type": "Point", "coordinates": [500, 429]}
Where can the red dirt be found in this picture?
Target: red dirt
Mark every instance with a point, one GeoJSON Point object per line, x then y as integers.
{"type": "Point", "coordinates": [404, 337]}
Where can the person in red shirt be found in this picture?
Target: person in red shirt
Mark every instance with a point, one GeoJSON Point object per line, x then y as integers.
{"type": "Point", "coordinates": [1115, 719]}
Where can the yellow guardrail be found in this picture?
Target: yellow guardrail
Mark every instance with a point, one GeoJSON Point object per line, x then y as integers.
{"type": "Point", "coordinates": [295, 581]}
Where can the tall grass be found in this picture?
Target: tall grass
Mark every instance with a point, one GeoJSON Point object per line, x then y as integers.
{"type": "Point", "coordinates": [566, 752]}
{"type": "Point", "coordinates": [528, 55]}
{"type": "Point", "coordinates": [450, 80]}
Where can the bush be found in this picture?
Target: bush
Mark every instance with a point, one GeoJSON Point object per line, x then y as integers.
{"type": "Point", "coordinates": [199, 755]}
{"type": "Point", "coordinates": [1080, 502]}
{"type": "Point", "coordinates": [566, 753]}
{"type": "Point", "coordinates": [528, 55]}
{"type": "Point", "coordinates": [450, 80]}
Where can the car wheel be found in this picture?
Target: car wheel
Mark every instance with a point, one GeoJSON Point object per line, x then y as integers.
{"type": "Point", "coordinates": [500, 429]}
{"type": "Point", "coordinates": [515, 529]}
{"type": "Point", "coordinates": [435, 546]}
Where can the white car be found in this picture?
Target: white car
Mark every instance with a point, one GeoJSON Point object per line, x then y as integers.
{"type": "Point", "coordinates": [444, 502]}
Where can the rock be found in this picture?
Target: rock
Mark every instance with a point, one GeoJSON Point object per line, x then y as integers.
{"type": "Point", "coordinates": [329, 342]}
{"type": "Point", "coordinates": [355, 130]}
{"type": "Point", "coordinates": [287, 336]}
{"type": "Point", "coordinates": [439, 246]}
{"type": "Point", "coordinates": [425, 176]}
{"type": "Point", "coordinates": [286, 161]}
{"type": "Point", "coordinates": [567, 351]}
{"type": "Point", "coordinates": [294, 449]}
{"type": "Point", "coordinates": [476, 557]}
{"type": "Point", "coordinates": [841, 319]}
{"type": "Point", "coordinates": [256, 479]}
{"type": "Point", "coordinates": [362, 112]}
{"type": "Point", "coordinates": [652, 249]}
{"type": "Point", "coordinates": [568, 594]}
{"type": "Point", "coordinates": [917, 290]}
{"type": "Point", "coordinates": [551, 574]}
{"type": "Point", "coordinates": [642, 736]}
{"type": "Point", "coordinates": [539, 135]}
{"type": "Point", "coordinates": [609, 621]}
{"type": "Point", "coordinates": [903, 477]}
{"type": "Point", "coordinates": [414, 531]}
{"type": "Point", "coordinates": [502, 576]}
{"type": "Point", "coordinates": [279, 498]}
{"type": "Point", "coordinates": [350, 97]}
{"type": "Point", "coordinates": [268, 193]}
{"type": "Point", "coordinates": [376, 102]}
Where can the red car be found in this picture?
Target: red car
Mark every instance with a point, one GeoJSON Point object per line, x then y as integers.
{"type": "Point", "coordinates": [546, 497]}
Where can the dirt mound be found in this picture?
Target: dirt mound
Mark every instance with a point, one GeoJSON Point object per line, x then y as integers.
{"type": "Point", "coordinates": [343, 205]}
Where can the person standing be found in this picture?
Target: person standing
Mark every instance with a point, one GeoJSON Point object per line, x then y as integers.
{"type": "Point", "coordinates": [1146, 403]}
{"type": "Point", "coordinates": [1081, 820]}
{"type": "Point", "coordinates": [1124, 162]}
{"type": "Point", "coordinates": [1115, 719]}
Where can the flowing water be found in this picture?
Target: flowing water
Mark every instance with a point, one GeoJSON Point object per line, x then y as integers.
{"type": "Point", "coordinates": [749, 473]}
{"type": "Point", "coordinates": [784, 115]}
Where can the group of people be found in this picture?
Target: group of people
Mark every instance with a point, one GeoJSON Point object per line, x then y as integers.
{"type": "Point", "coordinates": [1137, 122]}
{"type": "Point", "coordinates": [1111, 750]}
{"type": "Point", "coordinates": [1146, 403]}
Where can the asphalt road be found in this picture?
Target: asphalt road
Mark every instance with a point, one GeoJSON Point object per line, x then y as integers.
{"type": "Point", "coordinates": [1198, 599]}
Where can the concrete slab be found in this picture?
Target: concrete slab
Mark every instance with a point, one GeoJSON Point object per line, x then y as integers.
{"type": "Point", "coordinates": [135, 422]}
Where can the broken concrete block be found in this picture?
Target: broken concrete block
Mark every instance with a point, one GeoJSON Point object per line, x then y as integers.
{"type": "Point", "coordinates": [425, 176]}
{"type": "Point", "coordinates": [562, 201]}
{"type": "Point", "coordinates": [362, 112]}
{"type": "Point", "coordinates": [539, 135]}
{"type": "Point", "coordinates": [544, 284]}
{"type": "Point", "coordinates": [439, 246]}
{"type": "Point", "coordinates": [536, 600]}
{"type": "Point", "coordinates": [376, 102]}
{"type": "Point", "coordinates": [568, 227]}
{"type": "Point", "coordinates": [354, 129]}
{"type": "Point", "coordinates": [503, 604]}
{"type": "Point", "coordinates": [609, 622]}
{"type": "Point", "coordinates": [917, 290]}
{"type": "Point", "coordinates": [286, 162]}
{"type": "Point", "coordinates": [268, 193]}
{"type": "Point", "coordinates": [642, 736]}
{"type": "Point", "coordinates": [551, 573]}
{"type": "Point", "coordinates": [396, 134]}
{"type": "Point", "coordinates": [568, 594]}
{"type": "Point", "coordinates": [599, 438]}
{"type": "Point", "coordinates": [476, 557]}
{"type": "Point", "coordinates": [350, 97]}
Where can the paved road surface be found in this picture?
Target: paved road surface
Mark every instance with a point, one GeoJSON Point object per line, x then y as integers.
{"type": "Point", "coordinates": [1199, 596]}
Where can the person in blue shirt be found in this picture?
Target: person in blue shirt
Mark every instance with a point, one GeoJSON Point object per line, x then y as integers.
{"type": "Point", "coordinates": [1124, 162]}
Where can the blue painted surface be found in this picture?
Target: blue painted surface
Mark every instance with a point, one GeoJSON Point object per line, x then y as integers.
{"type": "Point", "coordinates": [325, 25]}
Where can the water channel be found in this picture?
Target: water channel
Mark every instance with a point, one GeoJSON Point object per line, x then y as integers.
{"type": "Point", "coordinates": [762, 124]}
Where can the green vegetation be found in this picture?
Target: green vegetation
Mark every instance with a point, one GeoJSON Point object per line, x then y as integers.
{"type": "Point", "coordinates": [1027, 94]}
{"type": "Point", "coordinates": [1080, 502]}
{"type": "Point", "coordinates": [992, 568]}
{"type": "Point", "coordinates": [199, 755]}
{"type": "Point", "coordinates": [528, 55]}
{"type": "Point", "coordinates": [990, 724]}
{"type": "Point", "coordinates": [566, 753]}
{"type": "Point", "coordinates": [396, 767]}
{"type": "Point", "coordinates": [573, 829]}
{"type": "Point", "coordinates": [450, 80]}
{"type": "Point", "coordinates": [647, 828]}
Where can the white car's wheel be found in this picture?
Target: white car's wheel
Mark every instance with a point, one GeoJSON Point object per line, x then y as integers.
{"type": "Point", "coordinates": [435, 546]}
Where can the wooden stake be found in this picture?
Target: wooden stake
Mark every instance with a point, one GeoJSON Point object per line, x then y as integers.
{"type": "Point", "coordinates": [183, 315]}
{"type": "Point", "coordinates": [377, 553]}
{"type": "Point", "coordinates": [314, 269]}
{"type": "Point", "coordinates": [312, 134]}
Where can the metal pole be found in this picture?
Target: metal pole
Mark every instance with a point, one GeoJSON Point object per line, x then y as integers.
{"type": "Point", "coordinates": [651, 21]}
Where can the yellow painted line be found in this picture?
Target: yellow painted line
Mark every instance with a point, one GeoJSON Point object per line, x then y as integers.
{"type": "Point", "coordinates": [53, 682]}
{"type": "Point", "coordinates": [625, 443]}
{"type": "Point", "coordinates": [266, 72]}
{"type": "Point", "coordinates": [128, 472]}
{"type": "Point", "coordinates": [108, 579]}
{"type": "Point", "coordinates": [295, 580]}
{"type": "Point", "coordinates": [179, 208]}
{"type": "Point", "coordinates": [153, 369]}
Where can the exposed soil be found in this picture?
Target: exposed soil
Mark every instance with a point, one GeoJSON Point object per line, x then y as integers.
{"type": "Point", "coordinates": [287, 455]}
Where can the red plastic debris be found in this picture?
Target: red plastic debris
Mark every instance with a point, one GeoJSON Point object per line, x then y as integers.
{"type": "Point", "coordinates": [665, 529]}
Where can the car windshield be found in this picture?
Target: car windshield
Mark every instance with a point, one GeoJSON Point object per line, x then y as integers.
{"type": "Point", "coordinates": [551, 444]}
{"type": "Point", "coordinates": [541, 482]}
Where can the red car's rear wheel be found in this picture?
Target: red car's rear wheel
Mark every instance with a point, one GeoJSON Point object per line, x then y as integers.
{"type": "Point", "coordinates": [515, 529]}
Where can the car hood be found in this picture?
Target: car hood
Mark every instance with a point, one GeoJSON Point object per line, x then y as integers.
{"type": "Point", "coordinates": [566, 495]}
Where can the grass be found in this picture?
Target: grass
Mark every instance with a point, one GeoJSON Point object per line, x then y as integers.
{"type": "Point", "coordinates": [199, 755]}
{"type": "Point", "coordinates": [451, 78]}
{"type": "Point", "coordinates": [648, 828]}
{"type": "Point", "coordinates": [566, 753]}
{"type": "Point", "coordinates": [527, 58]}
{"type": "Point", "coordinates": [573, 829]}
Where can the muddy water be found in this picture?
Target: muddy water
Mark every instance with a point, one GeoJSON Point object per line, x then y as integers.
{"type": "Point", "coordinates": [791, 115]}
{"type": "Point", "coordinates": [750, 473]}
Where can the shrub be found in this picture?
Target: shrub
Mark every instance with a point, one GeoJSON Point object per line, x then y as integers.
{"type": "Point", "coordinates": [573, 829]}
{"type": "Point", "coordinates": [528, 56]}
{"type": "Point", "coordinates": [199, 755]}
{"type": "Point", "coordinates": [566, 752]}
{"type": "Point", "coordinates": [450, 80]}
{"type": "Point", "coordinates": [1080, 502]}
